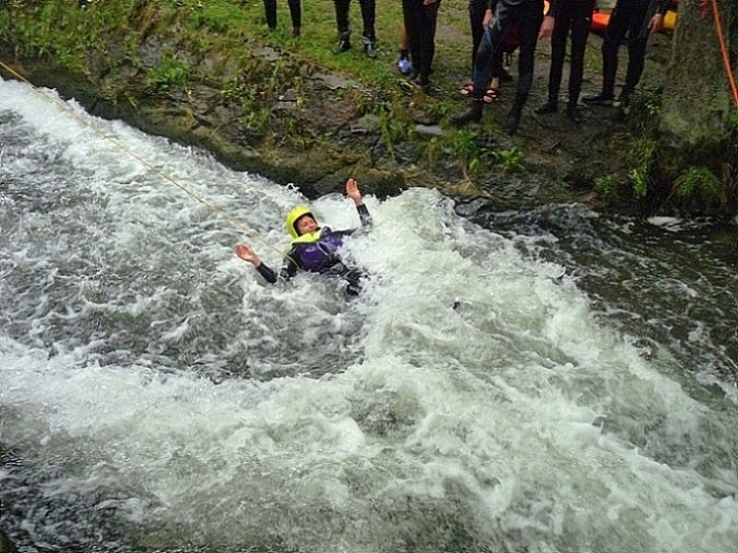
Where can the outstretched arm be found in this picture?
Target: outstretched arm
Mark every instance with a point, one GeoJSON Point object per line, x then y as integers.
{"type": "Point", "coordinates": [270, 275]}
{"type": "Point", "coordinates": [247, 254]}
{"type": "Point", "coordinates": [352, 191]}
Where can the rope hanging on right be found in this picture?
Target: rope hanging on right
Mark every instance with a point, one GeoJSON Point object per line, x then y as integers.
{"type": "Point", "coordinates": [723, 47]}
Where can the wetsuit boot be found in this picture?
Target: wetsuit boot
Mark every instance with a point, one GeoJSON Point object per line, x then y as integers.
{"type": "Point", "coordinates": [344, 42]}
{"type": "Point", "coordinates": [572, 113]}
{"type": "Point", "coordinates": [513, 120]}
{"type": "Point", "coordinates": [474, 113]}
{"type": "Point", "coordinates": [370, 47]}
{"type": "Point", "coordinates": [549, 107]}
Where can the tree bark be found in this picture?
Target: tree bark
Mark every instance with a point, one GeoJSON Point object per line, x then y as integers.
{"type": "Point", "coordinates": [697, 100]}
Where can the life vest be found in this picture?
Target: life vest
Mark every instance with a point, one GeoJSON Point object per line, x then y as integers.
{"type": "Point", "coordinates": [316, 251]}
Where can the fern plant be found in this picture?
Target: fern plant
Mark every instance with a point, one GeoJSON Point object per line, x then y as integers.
{"type": "Point", "coordinates": [700, 182]}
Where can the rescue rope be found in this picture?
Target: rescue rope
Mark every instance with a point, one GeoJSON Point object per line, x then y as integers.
{"type": "Point", "coordinates": [252, 233]}
{"type": "Point", "coordinates": [723, 47]}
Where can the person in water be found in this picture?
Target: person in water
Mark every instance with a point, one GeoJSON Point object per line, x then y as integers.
{"type": "Point", "coordinates": [314, 248]}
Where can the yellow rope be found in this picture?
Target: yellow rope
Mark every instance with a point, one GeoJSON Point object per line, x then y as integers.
{"type": "Point", "coordinates": [252, 233]}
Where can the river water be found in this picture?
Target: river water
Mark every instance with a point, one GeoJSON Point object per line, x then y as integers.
{"type": "Point", "coordinates": [547, 381]}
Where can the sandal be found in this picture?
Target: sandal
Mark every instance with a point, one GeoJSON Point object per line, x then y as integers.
{"type": "Point", "coordinates": [492, 94]}
{"type": "Point", "coordinates": [467, 89]}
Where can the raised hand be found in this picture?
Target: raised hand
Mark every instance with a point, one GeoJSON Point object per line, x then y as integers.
{"type": "Point", "coordinates": [247, 254]}
{"type": "Point", "coordinates": [352, 191]}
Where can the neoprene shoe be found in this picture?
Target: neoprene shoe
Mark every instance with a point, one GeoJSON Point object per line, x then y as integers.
{"type": "Point", "coordinates": [573, 115]}
{"type": "Point", "coordinates": [421, 82]}
{"type": "Point", "coordinates": [548, 107]}
{"type": "Point", "coordinates": [473, 114]}
{"type": "Point", "coordinates": [512, 122]}
{"type": "Point", "coordinates": [343, 45]}
{"type": "Point", "coordinates": [370, 49]}
{"type": "Point", "coordinates": [599, 100]}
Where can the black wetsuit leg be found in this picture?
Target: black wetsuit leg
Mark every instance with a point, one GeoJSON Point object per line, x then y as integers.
{"type": "Point", "coordinates": [623, 19]}
{"type": "Point", "coordinates": [477, 9]}
{"type": "Point", "coordinates": [295, 13]}
{"type": "Point", "coordinates": [270, 8]}
{"type": "Point", "coordinates": [420, 24]}
{"type": "Point", "coordinates": [580, 25]}
{"type": "Point", "coordinates": [638, 34]}
{"type": "Point", "coordinates": [561, 30]}
{"type": "Point", "coordinates": [368, 15]}
{"type": "Point", "coordinates": [528, 19]}
{"type": "Point", "coordinates": [342, 17]}
{"type": "Point", "coordinates": [574, 18]}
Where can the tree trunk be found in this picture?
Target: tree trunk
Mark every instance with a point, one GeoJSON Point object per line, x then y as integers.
{"type": "Point", "coordinates": [698, 103]}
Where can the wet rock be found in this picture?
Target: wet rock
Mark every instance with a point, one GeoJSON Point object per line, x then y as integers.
{"type": "Point", "coordinates": [429, 131]}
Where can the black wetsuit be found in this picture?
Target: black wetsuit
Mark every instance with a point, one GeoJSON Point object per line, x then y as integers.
{"type": "Point", "coordinates": [420, 26]}
{"type": "Point", "coordinates": [573, 16]}
{"type": "Point", "coordinates": [368, 14]}
{"type": "Point", "coordinates": [320, 256]}
{"type": "Point", "coordinates": [631, 18]}
{"type": "Point", "coordinates": [270, 7]}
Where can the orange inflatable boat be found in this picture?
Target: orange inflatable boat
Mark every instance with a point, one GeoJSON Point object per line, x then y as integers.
{"type": "Point", "coordinates": [600, 19]}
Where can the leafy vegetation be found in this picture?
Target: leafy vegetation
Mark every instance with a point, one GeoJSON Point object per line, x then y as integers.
{"type": "Point", "coordinates": [510, 161]}
{"type": "Point", "coordinates": [643, 153]}
{"type": "Point", "coordinates": [607, 187]}
{"type": "Point", "coordinates": [171, 71]}
{"type": "Point", "coordinates": [469, 153]}
{"type": "Point", "coordinates": [700, 181]}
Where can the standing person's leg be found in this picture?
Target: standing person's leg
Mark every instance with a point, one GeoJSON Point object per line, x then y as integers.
{"type": "Point", "coordinates": [614, 35]}
{"type": "Point", "coordinates": [270, 9]}
{"type": "Point", "coordinates": [528, 18]}
{"type": "Point", "coordinates": [581, 21]}
{"type": "Point", "coordinates": [427, 16]}
{"type": "Point", "coordinates": [296, 15]}
{"type": "Point", "coordinates": [477, 11]}
{"type": "Point", "coordinates": [638, 34]}
{"type": "Point", "coordinates": [410, 10]}
{"type": "Point", "coordinates": [368, 36]}
{"type": "Point", "coordinates": [558, 53]}
{"type": "Point", "coordinates": [484, 62]}
{"type": "Point", "coordinates": [342, 23]}
{"type": "Point", "coordinates": [431, 12]}
{"type": "Point", "coordinates": [403, 64]}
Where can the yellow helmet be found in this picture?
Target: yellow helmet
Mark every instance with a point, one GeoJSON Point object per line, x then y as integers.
{"type": "Point", "coordinates": [292, 218]}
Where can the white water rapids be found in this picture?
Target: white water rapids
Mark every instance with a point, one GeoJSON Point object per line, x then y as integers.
{"type": "Point", "coordinates": [157, 395]}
